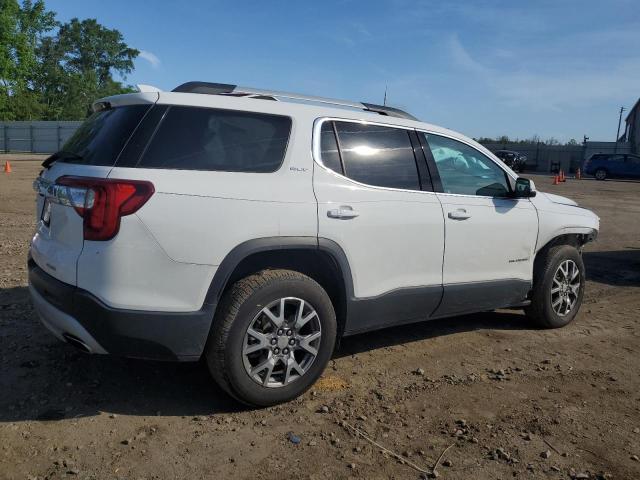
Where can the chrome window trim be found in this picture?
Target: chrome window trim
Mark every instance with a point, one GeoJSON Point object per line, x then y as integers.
{"type": "Point", "coordinates": [315, 151]}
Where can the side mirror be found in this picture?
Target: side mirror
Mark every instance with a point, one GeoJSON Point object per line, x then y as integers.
{"type": "Point", "coordinates": [525, 188]}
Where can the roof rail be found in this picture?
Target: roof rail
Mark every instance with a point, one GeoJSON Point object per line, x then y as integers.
{"type": "Point", "coordinates": [209, 88]}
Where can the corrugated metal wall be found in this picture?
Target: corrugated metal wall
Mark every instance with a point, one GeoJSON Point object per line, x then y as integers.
{"type": "Point", "coordinates": [548, 158]}
{"type": "Point", "coordinates": [35, 137]}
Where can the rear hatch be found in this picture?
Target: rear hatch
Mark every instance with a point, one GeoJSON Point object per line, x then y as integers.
{"type": "Point", "coordinates": [62, 198]}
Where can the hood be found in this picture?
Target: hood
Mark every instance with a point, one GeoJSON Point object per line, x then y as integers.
{"type": "Point", "coordinates": [559, 199]}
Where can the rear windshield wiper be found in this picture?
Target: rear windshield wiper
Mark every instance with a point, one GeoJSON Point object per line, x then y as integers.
{"type": "Point", "coordinates": [61, 155]}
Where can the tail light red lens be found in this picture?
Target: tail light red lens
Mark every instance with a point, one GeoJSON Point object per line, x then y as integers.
{"type": "Point", "coordinates": [105, 202]}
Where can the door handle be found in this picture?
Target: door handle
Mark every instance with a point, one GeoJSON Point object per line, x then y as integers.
{"type": "Point", "coordinates": [459, 214]}
{"type": "Point", "coordinates": [345, 212]}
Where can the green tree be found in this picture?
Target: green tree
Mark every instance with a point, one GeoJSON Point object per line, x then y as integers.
{"type": "Point", "coordinates": [57, 76]}
{"type": "Point", "coordinates": [77, 67]}
{"type": "Point", "coordinates": [21, 27]}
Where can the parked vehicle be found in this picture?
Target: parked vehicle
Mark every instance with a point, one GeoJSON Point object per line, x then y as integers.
{"type": "Point", "coordinates": [515, 161]}
{"type": "Point", "coordinates": [612, 165]}
{"type": "Point", "coordinates": [256, 228]}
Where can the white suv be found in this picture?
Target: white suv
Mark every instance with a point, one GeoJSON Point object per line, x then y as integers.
{"type": "Point", "coordinates": [257, 228]}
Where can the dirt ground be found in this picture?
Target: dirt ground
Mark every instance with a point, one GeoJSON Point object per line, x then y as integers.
{"type": "Point", "coordinates": [514, 401]}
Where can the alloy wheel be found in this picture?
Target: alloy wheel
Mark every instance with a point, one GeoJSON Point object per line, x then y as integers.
{"type": "Point", "coordinates": [565, 288]}
{"type": "Point", "coordinates": [281, 342]}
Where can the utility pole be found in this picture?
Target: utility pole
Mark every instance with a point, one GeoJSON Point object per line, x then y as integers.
{"type": "Point", "coordinates": [622, 109]}
{"type": "Point", "coordinates": [584, 147]}
{"type": "Point", "coordinates": [384, 102]}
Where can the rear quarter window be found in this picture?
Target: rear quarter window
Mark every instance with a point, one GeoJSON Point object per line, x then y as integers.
{"type": "Point", "coordinates": [193, 138]}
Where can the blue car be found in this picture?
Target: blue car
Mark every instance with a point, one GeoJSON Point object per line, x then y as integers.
{"type": "Point", "coordinates": [612, 165]}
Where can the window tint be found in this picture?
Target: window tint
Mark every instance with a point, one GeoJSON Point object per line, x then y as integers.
{"type": "Point", "coordinates": [464, 170]}
{"type": "Point", "coordinates": [378, 155]}
{"type": "Point", "coordinates": [191, 138]}
{"type": "Point", "coordinates": [329, 148]}
{"type": "Point", "coordinates": [101, 137]}
{"type": "Point", "coordinates": [616, 158]}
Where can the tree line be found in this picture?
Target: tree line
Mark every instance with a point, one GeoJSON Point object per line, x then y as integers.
{"type": "Point", "coordinates": [54, 71]}
{"type": "Point", "coordinates": [534, 140]}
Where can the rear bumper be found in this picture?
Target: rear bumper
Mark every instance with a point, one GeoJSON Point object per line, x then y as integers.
{"type": "Point", "coordinates": [75, 315]}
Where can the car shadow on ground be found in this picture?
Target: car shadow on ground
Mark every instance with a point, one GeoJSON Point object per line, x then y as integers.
{"type": "Point", "coordinates": [498, 320]}
{"type": "Point", "coordinates": [44, 379]}
{"type": "Point", "coordinates": [620, 268]}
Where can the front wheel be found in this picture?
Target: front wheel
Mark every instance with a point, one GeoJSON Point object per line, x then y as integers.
{"type": "Point", "coordinates": [558, 287]}
{"type": "Point", "coordinates": [272, 337]}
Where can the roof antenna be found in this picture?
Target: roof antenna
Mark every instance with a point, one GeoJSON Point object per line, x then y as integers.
{"type": "Point", "coordinates": [384, 102]}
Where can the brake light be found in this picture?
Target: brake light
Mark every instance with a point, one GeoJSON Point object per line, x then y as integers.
{"type": "Point", "coordinates": [101, 202]}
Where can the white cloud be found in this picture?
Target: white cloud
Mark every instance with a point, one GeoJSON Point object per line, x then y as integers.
{"type": "Point", "coordinates": [150, 57]}
{"type": "Point", "coordinates": [557, 87]}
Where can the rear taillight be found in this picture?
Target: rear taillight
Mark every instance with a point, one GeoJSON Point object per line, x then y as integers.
{"type": "Point", "coordinates": [101, 202]}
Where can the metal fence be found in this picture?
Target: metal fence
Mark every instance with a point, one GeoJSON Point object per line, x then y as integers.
{"type": "Point", "coordinates": [35, 137]}
{"type": "Point", "coordinates": [551, 158]}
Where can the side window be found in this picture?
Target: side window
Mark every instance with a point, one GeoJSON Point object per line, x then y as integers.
{"type": "Point", "coordinates": [329, 148]}
{"type": "Point", "coordinates": [377, 155]}
{"type": "Point", "coordinates": [193, 138]}
{"type": "Point", "coordinates": [616, 158]}
{"type": "Point", "coordinates": [464, 170]}
{"type": "Point", "coordinates": [634, 160]}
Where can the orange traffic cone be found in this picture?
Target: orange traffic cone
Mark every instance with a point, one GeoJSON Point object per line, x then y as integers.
{"type": "Point", "coordinates": [7, 167]}
{"type": "Point", "coordinates": [562, 178]}
{"type": "Point", "coordinates": [556, 180]}
{"type": "Point", "coordinates": [578, 174]}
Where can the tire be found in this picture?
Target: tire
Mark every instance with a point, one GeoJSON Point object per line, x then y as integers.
{"type": "Point", "coordinates": [244, 305]}
{"type": "Point", "coordinates": [600, 174]}
{"type": "Point", "coordinates": [543, 310]}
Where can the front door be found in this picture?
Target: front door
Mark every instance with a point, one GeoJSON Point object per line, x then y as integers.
{"type": "Point", "coordinates": [490, 237]}
{"type": "Point", "coordinates": [632, 166]}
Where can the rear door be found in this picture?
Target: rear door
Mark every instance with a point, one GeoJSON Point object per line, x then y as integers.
{"type": "Point", "coordinates": [490, 237]}
{"type": "Point", "coordinates": [90, 152]}
{"type": "Point", "coordinates": [375, 200]}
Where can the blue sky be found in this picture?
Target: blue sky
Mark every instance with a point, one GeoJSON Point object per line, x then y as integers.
{"type": "Point", "coordinates": [558, 68]}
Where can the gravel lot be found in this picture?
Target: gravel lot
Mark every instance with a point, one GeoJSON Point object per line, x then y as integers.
{"type": "Point", "coordinates": [513, 401]}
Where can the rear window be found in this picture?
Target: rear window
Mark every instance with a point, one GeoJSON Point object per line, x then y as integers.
{"type": "Point", "coordinates": [193, 138]}
{"type": "Point", "coordinates": [99, 140]}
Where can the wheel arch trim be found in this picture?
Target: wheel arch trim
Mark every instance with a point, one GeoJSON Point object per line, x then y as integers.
{"type": "Point", "coordinates": [266, 244]}
{"type": "Point", "coordinates": [588, 234]}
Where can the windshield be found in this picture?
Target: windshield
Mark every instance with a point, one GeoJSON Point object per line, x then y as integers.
{"type": "Point", "coordinates": [99, 140]}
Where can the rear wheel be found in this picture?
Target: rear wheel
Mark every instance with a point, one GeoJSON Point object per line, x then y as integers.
{"type": "Point", "coordinates": [600, 174]}
{"type": "Point", "coordinates": [558, 287]}
{"type": "Point", "coordinates": [272, 337]}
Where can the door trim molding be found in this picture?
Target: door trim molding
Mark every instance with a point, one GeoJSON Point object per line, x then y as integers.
{"type": "Point", "coordinates": [472, 297]}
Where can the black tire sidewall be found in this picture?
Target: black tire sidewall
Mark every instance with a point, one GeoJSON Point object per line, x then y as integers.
{"type": "Point", "coordinates": [600, 170]}
{"type": "Point", "coordinates": [550, 316]}
{"type": "Point", "coordinates": [245, 388]}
